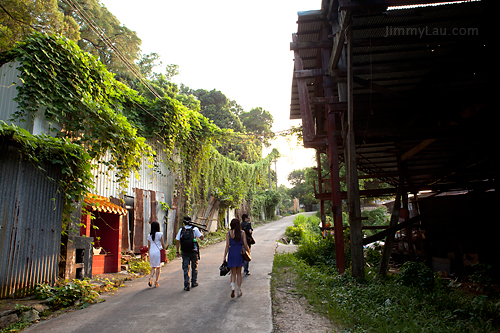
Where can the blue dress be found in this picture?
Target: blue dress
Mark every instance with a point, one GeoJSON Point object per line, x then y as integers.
{"type": "Point", "coordinates": [234, 257]}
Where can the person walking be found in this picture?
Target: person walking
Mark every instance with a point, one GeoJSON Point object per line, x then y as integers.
{"type": "Point", "coordinates": [235, 241]}
{"type": "Point", "coordinates": [155, 244]}
{"type": "Point", "coordinates": [246, 226]}
{"type": "Point", "coordinates": [186, 239]}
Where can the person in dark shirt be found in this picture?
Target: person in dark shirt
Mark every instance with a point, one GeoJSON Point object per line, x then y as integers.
{"type": "Point", "coordinates": [246, 226]}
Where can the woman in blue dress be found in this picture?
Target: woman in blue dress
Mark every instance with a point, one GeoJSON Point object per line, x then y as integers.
{"type": "Point", "coordinates": [235, 240]}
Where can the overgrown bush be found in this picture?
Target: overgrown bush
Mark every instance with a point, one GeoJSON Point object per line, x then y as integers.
{"type": "Point", "coordinates": [373, 254]}
{"type": "Point", "coordinates": [388, 306]}
{"type": "Point", "coordinates": [141, 267]}
{"type": "Point", "coordinates": [66, 293]}
{"type": "Point", "coordinates": [319, 253]}
{"type": "Point", "coordinates": [418, 275]}
{"type": "Point", "coordinates": [305, 229]}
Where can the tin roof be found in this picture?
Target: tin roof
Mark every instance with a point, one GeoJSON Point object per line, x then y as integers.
{"type": "Point", "coordinates": [102, 204]}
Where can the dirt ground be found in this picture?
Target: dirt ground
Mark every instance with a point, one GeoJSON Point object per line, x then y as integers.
{"type": "Point", "coordinates": [293, 314]}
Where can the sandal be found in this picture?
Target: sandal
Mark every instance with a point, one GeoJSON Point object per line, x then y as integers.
{"type": "Point", "coordinates": [157, 284]}
{"type": "Point", "coordinates": [240, 293]}
{"type": "Point", "coordinates": [150, 282]}
{"type": "Point", "coordinates": [232, 293]}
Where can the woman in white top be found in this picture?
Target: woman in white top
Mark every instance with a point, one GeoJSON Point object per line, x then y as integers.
{"type": "Point", "coordinates": [155, 244]}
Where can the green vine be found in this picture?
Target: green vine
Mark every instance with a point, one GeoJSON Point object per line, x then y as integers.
{"type": "Point", "coordinates": [43, 150]}
{"type": "Point", "coordinates": [93, 110]}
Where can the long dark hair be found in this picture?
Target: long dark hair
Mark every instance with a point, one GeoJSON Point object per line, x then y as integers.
{"type": "Point", "coordinates": [236, 226]}
{"type": "Point", "coordinates": [155, 227]}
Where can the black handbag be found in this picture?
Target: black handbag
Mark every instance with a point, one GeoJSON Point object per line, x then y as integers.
{"type": "Point", "coordinates": [224, 270]}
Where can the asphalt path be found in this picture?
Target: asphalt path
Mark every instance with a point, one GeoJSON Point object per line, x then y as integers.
{"type": "Point", "coordinates": [168, 308]}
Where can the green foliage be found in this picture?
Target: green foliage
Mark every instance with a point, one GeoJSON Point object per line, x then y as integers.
{"type": "Point", "coordinates": [417, 274]}
{"type": "Point", "coordinates": [373, 255]}
{"type": "Point", "coordinates": [121, 38]}
{"type": "Point", "coordinates": [258, 121]}
{"type": "Point", "coordinates": [76, 91]}
{"type": "Point", "coordinates": [319, 253]}
{"type": "Point", "coordinates": [302, 189]}
{"type": "Point", "coordinates": [305, 229]}
{"type": "Point", "coordinates": [388, 306]}
{"type": "Point", "coordinates": [375, 217]}
{"type": "Point", "coordinates": [43, 150]}
{"type": "Point", "coordinates": [483, 278]}
{"type": "Point", "coordinates": [66, 293]}
{"type": "Point", "coordinates": [19, 18]}
{"type": "Point", "coordinates": [141, 267]}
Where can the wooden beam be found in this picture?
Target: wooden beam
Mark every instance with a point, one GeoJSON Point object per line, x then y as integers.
{"type": "Point", "coordinates": [310, 73]}
{"type": "Point", "coordinates": [338, 43]}
{"type": "Point", "coordinates": [305, 107]}
{"type": "Point", "coordinates": [377, 88]}
{"type": "Point", "coordinates": [295, 46]}
{"type": "Point", "coordinates": [415, 150]}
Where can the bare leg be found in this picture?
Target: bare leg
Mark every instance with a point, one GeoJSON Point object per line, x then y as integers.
{"type": "Point", "coordinates": [158, 271]}
{"type": "Point", "coordinates": [151, 276]}
{"type": "Point", "coordinates": [233, 279]}
{"type": "Point", "coordinates": [238, 280]}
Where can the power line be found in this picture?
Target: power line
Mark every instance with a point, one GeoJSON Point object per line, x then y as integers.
{"type": "Point", "coordinates": [102, 35]}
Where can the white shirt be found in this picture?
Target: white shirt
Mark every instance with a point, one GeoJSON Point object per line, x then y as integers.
{"type": "Point", "coordinates": [196, 232]}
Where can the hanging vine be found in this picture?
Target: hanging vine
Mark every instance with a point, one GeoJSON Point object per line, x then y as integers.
{"type": "Point", "coordinates": [95, 111]}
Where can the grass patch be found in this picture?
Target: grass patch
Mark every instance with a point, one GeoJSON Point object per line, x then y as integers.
{"type": "Point", "coordinates": [387, 305]}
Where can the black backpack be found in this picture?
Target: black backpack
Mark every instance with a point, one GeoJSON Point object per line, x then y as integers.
{"type": "Point", "coordinates": [187, 240]}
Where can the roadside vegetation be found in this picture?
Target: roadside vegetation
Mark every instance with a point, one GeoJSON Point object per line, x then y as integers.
{"type": "Point", "coordinates": [415, 300]}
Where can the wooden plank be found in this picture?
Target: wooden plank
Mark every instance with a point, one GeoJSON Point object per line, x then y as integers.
{"type": "Point", "coordinates": [138, 219]}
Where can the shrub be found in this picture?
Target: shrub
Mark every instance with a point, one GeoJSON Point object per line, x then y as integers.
{"type": "Point", "coordinates": [66, 293]}
{"type": "Point", "coordinates": [418, 275]}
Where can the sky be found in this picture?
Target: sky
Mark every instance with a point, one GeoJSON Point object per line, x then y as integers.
{"type": "Point", "coordinates": [241, 48]}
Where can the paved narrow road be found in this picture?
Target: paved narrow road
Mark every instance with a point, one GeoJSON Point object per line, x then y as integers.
{"type": "Point", "coordinates": [206, 308]}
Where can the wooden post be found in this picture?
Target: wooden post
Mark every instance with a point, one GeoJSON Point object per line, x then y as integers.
{"type": "Point", "coordinates": [352, 173]}
{"type": "Point", "coordinates": [320, 189]}
{"type": "Point", "coordinates": [333, 161]}
{"type": "Point", "coordinates": [389, 240]}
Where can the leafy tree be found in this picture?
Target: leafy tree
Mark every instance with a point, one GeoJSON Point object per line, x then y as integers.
{"type": "Point", "coordinates": [302, 189]}
{"type": "Point", "coordinates": [216, 107]}
{"type": "Point", "coordinates": [147, 62]}
{"type": "Point", "coordinates": [120, 47]}
{"type": "Point", "coordinates": [258, 121]}
{"type": "Point", "coordinates": [20, 18]}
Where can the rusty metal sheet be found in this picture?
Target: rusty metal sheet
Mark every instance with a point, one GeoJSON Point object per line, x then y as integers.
{"type": "Point", "coordinates": [30, 224]}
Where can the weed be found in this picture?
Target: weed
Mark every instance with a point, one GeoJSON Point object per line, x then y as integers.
{"type": "Point", "coordinates": [387, 305]}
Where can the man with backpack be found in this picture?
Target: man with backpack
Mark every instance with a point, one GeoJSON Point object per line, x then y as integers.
{"type": "Point", "coordinates": [246, 226]}
{"type": "Point", "coordinates": [186, 240]}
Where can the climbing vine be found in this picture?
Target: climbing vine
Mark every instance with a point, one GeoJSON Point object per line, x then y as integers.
{"type": "Point", "coordinates": [93, 110]}
{"type": "Point", "coordinates": [43, 150]}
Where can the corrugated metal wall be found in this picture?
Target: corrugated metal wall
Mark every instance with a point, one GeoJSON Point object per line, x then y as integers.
{"type": "Point", "coordinates": [30, 224]}
{"type": "Point", "coordinates": [9, 81]}
{"type": "Point", "coordinates": [157, 178]}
